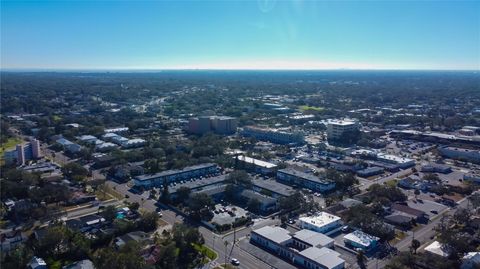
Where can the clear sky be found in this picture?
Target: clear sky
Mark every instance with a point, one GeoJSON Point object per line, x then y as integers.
{"type": "Point", "coordinates": [262, 34]}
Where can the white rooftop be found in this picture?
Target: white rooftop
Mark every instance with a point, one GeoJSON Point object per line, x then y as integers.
{"type": "Point", "coordinates": [436, 248]}
{"type": "Point", "coordinates": [321, 219]}
{"type": "Point", "coordinates": [343, 122]}
{"type": "Point", "coordinates": [394, 158]}
{"type": "Point", "coordinates": [361, 238]}
{"type": "Point", "coordinates": [256, 162]}
{"type": "Point", "coordinates": [275, 234]}
{"type": "Point", "coordinates": [324, 256]}
{"type": "Point", "coordinates": [313, 238]}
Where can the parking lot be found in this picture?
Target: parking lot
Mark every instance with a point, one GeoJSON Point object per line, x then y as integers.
{"type": "Point", "coordinates": [263, 255]}
{"type": "Point", "coordinates": [227, 214]}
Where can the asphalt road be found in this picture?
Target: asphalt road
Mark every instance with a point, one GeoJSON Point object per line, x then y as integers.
{"type": "Point", "coordinates": [212, 240]}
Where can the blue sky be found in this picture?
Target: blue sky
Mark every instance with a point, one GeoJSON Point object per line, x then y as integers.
{"type": "Point", "coordinates": [262, 34]}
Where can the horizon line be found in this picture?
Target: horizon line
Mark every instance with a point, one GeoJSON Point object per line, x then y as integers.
{"type": "Point", "coordinates": [67, 70]}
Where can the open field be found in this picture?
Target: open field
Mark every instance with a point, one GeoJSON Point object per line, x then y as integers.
{"type": "Point", "coordinates": [314, 108]}
{"type": "Point", "coordinates": [10, 144]}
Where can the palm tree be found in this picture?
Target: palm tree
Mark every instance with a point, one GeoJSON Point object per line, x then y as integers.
{"type": "Point", "coordinates": [226, 244]}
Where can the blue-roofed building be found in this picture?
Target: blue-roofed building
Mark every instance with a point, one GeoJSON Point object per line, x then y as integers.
{"type": "Point", "coordinates": [69, 145]}
{"type": "Point", "coordinates": [169, 176]}
{"type": "Point", "coordinates": [293, 177]}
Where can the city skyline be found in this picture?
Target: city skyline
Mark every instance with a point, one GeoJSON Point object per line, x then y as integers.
{"type": "Point", "coordinates": [260, 35]}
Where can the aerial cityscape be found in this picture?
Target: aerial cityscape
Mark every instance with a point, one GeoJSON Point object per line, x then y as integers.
{"type": "Point", "coordinates": [250, 150]}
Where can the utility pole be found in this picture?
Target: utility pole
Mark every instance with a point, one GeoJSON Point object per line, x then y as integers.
{"type": "Point", "coordinates": [213, 247]}
{"type": "Point", "coordinates": [226, 244]}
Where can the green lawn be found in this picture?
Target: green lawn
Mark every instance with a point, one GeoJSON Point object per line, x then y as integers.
{"type": "Point", "coordinates": [315, 108]}
{"type": "Point", "coordinates": [10, 144]}
{"type": "Point", "coordinates": [212, 255]}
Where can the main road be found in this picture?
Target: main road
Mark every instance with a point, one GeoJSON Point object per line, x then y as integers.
{"type": "Point", "coordinates": [212, 240]}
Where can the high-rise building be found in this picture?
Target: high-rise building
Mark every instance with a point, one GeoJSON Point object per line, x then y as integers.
{"type": "Point", "coordinates": [36, 150]}
{"type": "Point", "coordinates": [216, 124]}
{"type": "Point", "coordinates": [20, 154]}
{"type": "Point", "coordinates": [336, 128]}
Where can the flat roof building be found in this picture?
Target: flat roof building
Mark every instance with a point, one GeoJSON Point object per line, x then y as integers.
{"type": "Point", "coordinates": [323, 257]}
{"type": "Point", "coordinates": [170, 176]}
{"type": "Point", "coordinates": [323, 222]}
{"type": "Point", "coordinates": [460, 153]}
{"type": "Point", "coordinates": [336, 128]}
{"type": "Point", "coordinates": [402, 162]}
{"type": "Point", "coordinates": [306, 238]}
{"type": "Point", "coordinates": [359, 239]}
{"type": "Point", "coordinates": [298, 249]}
{"type": "Point", "coordinates": [273, 135]}
{"type": "Point", "coordinates": [258, 166]}
{"type": "Point", "coordinates": [293, 177]}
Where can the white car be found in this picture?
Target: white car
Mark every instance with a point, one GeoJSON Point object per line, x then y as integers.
{"type": "Point", "coordinates": [235, 262]}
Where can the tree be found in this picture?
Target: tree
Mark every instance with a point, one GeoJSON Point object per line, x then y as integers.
{"type": "Point", "coordinates": [165, 197]}
{"type": "Point", "coordinates": [153, 193]}
{"type": "Point", "coordinates": [75, 171]}
{"type": "Point", "coordinates": [415, 245]}
{"type": "Point", "coordinates": [431, 177]}
{"type": "Point", "coordinates": [128, 257]}
{"type": "Point", "coordinates": [200, 206]}
{"type": "Point", "coordinates": [254, 205]}
{"type": "Point", "coordinates": [134, 206]}
{"type": "Point", "coordinates": [109, 212]}
{"type": "Point", "coordinates": [361, 259]}
{"type": "Point", "coordinates": [183, 193]}
{"type": "Point", "coordinates": [416, 192]}
{"type": "Point", "coordinates": [18, 257]}
{"type": "Point", "coordinates": [148, 221]}
{"type": "Point", "coordinates": [239, 177]}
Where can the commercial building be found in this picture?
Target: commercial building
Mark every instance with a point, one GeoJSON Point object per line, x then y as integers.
{"type": "Point", "coordinates": [460, 153]}
{"type": "Point", "coordinates": [436, 168]}
{"type": "Point", "coordinates": [370, 171]}
{"type": "Point", "coordinates": [272, 187]}
{"type": "Point", "coordinates": [435, 137]}
{"type": "Point", "coordinates": [401, 162]}
{"type": "Point", "coordinates": [306, 238]}
{"type": "Point", "coordinates": [275, 239]}
{"type": "Point", "coordinates": [267, 204]}
{"type": "Point", "coordinates": [155, 180]}
{"type": "Point", "coordinates": [259, 166]}
{"type": "Point", "coordinates": [299, 249]}
{"type": "Point", "coordinates": [359, 239]}
{"type": "Point", "coordinates": [293, 177]}
{"type": "Point", "coordinates": [336, 128]}
{"type": "Point", "coordinates": [273, 135]}
{"type": "Point", "coordinates": [216, 124]}
{"type": "Point", "coordinates": [474, 177]}
{"type": "Point", "coordinates": [323, 222]}
{"type": "Point", "coordinates": [319, 258]}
